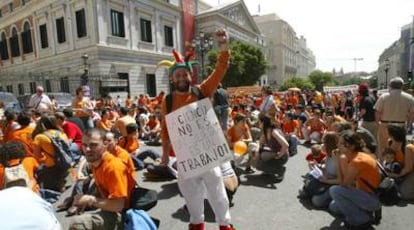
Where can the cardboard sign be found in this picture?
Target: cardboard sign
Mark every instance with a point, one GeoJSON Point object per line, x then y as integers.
{"type": "Point", "coordinates": [197, 139]}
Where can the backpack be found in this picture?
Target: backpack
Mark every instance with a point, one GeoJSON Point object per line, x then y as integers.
{"type": "Point", "coordinates": [138, 219]}
{"type": "Point", "coordinates": [63, 154]}
{"type": "Point", "coordinates": [194, 90]}
{"type": "Point", "coordinates": [387, 190]}
{"type": "Point", "coordinates": [16, 175]}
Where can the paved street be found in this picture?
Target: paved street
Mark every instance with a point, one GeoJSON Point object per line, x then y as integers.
{"type": "Point", "coordinates": [262, 202]}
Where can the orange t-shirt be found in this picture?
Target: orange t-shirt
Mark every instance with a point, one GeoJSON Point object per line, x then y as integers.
{"type": "Point", "coordinates": [126, 158]}
{"type": "Point", "coordinates": [81, 104]}
{"type": "Point", "coordinates": [399, 157]}
{"type": "Point", "coordinates": [234, 136]}
{"type": "Point", "coordinates": [128, 103]}
{"type": "Point", "coordinates": [289, 127]}
{"type": "Point", "coordinates": [104, 125]}
{"type": "Point", "coordinates": [113, 179]}
{"type": "Point", "coordinates": [47, 150]}
{"type": "Point", "coordinates": [367, 170]}
{"type": "Point", "coordinates": [25, 136]}
{"type": "Point", "coordinates": [130, 144]}
{"type": "Point", "coordinates": [30, 164]}
{"type": "Point", "coordinates": [152, 123]}
{"type": "Point", "coordinates": [207, 88]}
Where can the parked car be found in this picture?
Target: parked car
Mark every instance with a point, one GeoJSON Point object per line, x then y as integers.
{"type": "Point", "coordinates": [10, 101]}
{"type": "Point", "coordinates": [63, 99]}
{"type": "Point", "coordinates": [24, 100]}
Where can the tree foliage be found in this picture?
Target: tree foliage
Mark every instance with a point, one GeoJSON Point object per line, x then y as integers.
{"type": "Point", "coordinates": [302, 83]}
{"type": "Point", "coordinates": [320, 79]}
{"type": "Point", "coordinates": [247, 64]}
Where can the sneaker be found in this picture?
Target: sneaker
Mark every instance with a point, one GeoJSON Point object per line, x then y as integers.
{"type": "Point", "coordinates": [249, 170]}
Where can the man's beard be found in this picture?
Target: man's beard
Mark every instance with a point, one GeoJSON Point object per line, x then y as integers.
{"type": "Point", "coordinates": [182, 86]}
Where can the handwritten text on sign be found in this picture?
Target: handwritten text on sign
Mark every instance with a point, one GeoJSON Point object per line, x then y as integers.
{"type": "Point", "coordinates": [197, 138]}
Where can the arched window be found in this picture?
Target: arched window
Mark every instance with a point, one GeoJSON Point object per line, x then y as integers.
{"type": "Point", "coordinates": [4, 53]}
{"type": "Point", "coordinates": [27, 39]}
{"type": "Point", "coordinates": [14, 43]}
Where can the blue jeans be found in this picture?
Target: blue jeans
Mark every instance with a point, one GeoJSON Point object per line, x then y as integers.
{"type": "Point", "coordinates": [356, 205]}
{"type": "Point", "coordinates": [87, 122]}
{"type": "Point", "coordinates": [76, 151]}
{"type": "Point", "coordinates": [141, 156]}
{"type": "Point", "coordinates": [293, 143]}
{"type": "Point", "coordinates": [222, 115]}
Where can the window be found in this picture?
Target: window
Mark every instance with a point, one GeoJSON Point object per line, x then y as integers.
{"type": "Point", "coordinates": [24, 2]}
{"type": "Point", "coordinates": [146, 33]}
{"type": "Point", "coordinates": [27, 39]}
{"type": "Point", "coordinates": [43, 36]}
{"type": "Point", "coordinates": [151, 85]}
{"type": "Point", "coordinates": [168, 36]}
{"type": "Point", "coordinates": [48, 86]}
{"type": "Point", "coordinates": [14, 43]}
{"type": "Point", "coordinates": [81, 23]}
{"type": "Point", "coordinates": [11, 7]}
{"type": "Point", "coordinates": [32, 87]}
{"type": "Point", "coordinates": [64, 84]}
{"type": "Point", "coordinates": [117, 23]}
{"type": "Point", "coordinates": [60, 28]}
{"type": "Point", "coordinates": [4, 53]}
{"type": "Point", "coordinates": [20, 87]}
{"type": "Point", "coordinates": [9, 88]}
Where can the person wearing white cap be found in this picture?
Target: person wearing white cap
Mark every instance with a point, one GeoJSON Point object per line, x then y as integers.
{"type": "Point", "coordinates": [40, 101]}
{"type": "Point", "coordinates": [394, 107]}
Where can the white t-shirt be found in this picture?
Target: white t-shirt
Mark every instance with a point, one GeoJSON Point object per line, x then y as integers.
{"type": "Point", "coordinates": [21, 208]}
{"type": "Point", "coordinates": [41, 102]}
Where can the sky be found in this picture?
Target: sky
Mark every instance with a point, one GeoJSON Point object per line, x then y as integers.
{"type": "Point", "coordinates": [338, 31]}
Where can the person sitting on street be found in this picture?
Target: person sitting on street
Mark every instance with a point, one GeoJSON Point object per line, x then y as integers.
{"type": "Point", "coordinates": [152, 129]}
{"type": "Point", "coordinates": [390, 164]}
{"type": "Point", "coordinates": [12, 154]}
{"type": "Point", "coordinates": [354, 197]}
{"type": "Point", "coordinates": [114, 186]}
{"type": "Point", "coordinates": [315, 127]}
{"type": "Point", "coordinates": [316, 157]}
{"type": "Point", "coordinates": [290, 128]}
{"type": "Point", "coordinates": [131, 145]}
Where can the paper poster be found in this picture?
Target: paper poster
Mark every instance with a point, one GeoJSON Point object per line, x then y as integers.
{"type": "Point", "coordinates": [197, 139]}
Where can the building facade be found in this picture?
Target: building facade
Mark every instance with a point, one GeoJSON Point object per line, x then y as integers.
{"type": "Point", "coordinates": [235, 17]}
{"type": "Point", "coordinates": [118, 43]}
{"type": "Point", "coordinates": [287, 54]}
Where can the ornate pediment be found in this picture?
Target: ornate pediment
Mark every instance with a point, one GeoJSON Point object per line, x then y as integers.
{"type": "Point", "coordinates": [237, 15]}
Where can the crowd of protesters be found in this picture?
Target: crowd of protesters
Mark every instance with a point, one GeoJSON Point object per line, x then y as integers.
{"type": "Point", "coordinates": [348, 132]}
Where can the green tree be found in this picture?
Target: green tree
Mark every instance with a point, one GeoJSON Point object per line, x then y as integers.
{"type": "Point", "coordinates": [320, 79]}
{"type": "Point", "coordinates": [302, 83]}
{"type": "Point", "coordinates": [247, 64]}
{"type": "Point", "coordinates": [353, 81]}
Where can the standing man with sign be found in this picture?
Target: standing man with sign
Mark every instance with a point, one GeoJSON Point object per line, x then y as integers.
{"type": "Point", "coordinates": [193, 188]}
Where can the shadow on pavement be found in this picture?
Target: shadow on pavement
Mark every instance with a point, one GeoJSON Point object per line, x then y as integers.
{"type": "Point", "coordinates": [168, 191]}
{"type": "Point", "coordinates": [183, 215]}
{"type": "Point", "coordinates": [337, 224]}
{"type": "Point", "coordinates": [266, 179]}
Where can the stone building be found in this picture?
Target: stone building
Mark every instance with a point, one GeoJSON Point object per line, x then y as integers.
{"type": "Point", "coordinates": [116, 42]}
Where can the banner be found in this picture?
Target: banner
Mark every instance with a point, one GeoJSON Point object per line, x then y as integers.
{"type": "Point", "coordinates": [338, 89]}
{"type": "Point", "coordinates": [189, 10]}
{"type": "Point", "coordinates": [197, 139]}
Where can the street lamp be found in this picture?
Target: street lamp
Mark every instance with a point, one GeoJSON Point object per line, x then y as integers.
{"type": "Point", "coordinates": [203, 44]}
{"type": "Point", "coordinates": [387, 67]}
{"type": "Point", "coordinates": [85, 77]}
